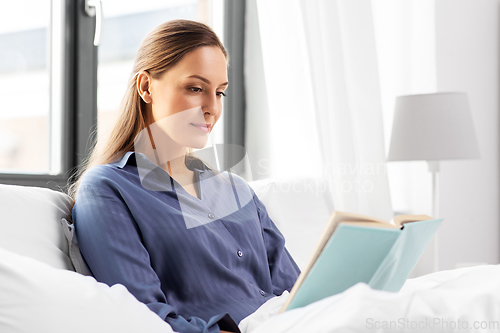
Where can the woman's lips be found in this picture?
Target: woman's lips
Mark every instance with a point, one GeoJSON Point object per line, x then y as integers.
{"type": "Point", "coordinates": [202, 127]}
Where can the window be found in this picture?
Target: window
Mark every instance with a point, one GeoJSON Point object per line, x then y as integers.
{"type": "Point", "coordinates": [25, 48]}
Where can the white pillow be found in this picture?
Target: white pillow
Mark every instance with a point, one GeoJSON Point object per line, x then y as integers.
{"type": "Point", "coordinates": [38, 298]}
{"type": "Point", "coordinates": [30, 223]}
{"type": "Point", "coordinates": [300, 207]}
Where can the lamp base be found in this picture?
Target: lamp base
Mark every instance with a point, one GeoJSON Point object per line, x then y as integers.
{"type": "Point", "coordinates": [434, 170]}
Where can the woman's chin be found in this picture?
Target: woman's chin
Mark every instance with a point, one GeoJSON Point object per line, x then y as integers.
{"type": "Point", "coordinates": [199, 143]}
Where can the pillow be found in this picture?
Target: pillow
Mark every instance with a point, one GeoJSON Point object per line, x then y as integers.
{"type": "Point", "coordinates": [75, 255]}
{"type": "Point", "coordinates": [30, 224]}
{"type": "Point", "coordinates": [300, 207]}
{"type": "Point", "coordinates": [39, 298]}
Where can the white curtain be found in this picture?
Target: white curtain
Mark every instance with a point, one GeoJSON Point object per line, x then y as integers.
{"type": "Point", "coordinates": [406, 49]}
{"type": "Point", "coordinates": [313, 99]}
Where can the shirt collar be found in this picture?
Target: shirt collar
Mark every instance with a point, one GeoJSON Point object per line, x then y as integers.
{"type": "Point", "coordinates": [124, 160]}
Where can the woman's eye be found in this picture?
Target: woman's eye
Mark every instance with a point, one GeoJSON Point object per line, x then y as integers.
{"type": "Point", "coordinates": [195, 89]}
{"type": "Point", "coordinates": [220, 94]}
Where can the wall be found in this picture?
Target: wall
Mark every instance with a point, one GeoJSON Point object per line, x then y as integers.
{"type": "Point", "coordinates": [467, 57]}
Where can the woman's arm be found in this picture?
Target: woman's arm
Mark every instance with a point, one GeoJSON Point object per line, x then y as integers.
{"type": "Point", "coordinates": [284, 270]}
{"type": "Point", "coordinates": [110, 242]}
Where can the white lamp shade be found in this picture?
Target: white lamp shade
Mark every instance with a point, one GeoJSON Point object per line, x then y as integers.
{"type": "Point", "coordinates": [433, 127]}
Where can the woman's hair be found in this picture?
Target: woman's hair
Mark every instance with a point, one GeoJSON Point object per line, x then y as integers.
{"type": "Point", "coordinates": [161, 49]}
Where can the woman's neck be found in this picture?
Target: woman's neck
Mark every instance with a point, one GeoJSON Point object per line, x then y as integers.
{"type": "Point", "coordinates": [169, 155]}
{"type": "Point", "coordinates": [176, 166]}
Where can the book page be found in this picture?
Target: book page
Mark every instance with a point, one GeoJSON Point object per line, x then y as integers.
{"type": "Point", "coordinates": [402, 219]}
{"type": "Point", "coordinates": [372, 224]}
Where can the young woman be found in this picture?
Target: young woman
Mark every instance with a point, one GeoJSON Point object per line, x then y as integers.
{"type": "Point", "coordinates": [195, 245]}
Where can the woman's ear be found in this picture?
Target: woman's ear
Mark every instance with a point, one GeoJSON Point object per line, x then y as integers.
{"type": "Point", "coordinates": [144, 86]}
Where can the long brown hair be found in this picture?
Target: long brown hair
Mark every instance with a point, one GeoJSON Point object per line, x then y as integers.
{"type": "Point", "coordinates": [161, 49]}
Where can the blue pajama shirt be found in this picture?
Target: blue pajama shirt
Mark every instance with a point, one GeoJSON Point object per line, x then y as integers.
{"type": "Point", "coordinates": [201, 264]}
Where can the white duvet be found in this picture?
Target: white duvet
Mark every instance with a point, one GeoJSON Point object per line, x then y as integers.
{"type": "Point", "coordinates": [59, 301]}
{"type": "Point", "coordinates": [461, 300]}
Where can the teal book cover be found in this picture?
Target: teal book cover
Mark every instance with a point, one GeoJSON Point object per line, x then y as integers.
{"type": "Point", "coordinates": [382, 257]}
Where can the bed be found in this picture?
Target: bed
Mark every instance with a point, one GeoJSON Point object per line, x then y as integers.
{"type": "Point", "coordinates": [44, 286]}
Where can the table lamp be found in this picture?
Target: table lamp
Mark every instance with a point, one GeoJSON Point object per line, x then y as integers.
{"type": "Point", "coordinates": [433, 127]}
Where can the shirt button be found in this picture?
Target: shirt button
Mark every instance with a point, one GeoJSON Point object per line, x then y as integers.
{"type": "Point", "coordinates": [239, 253]}
{"type": "Point", "coordinates": [211, 215]}
{"type": "Point", "coordinates": [262, 292]}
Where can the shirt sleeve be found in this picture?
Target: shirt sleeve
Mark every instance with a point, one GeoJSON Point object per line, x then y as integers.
{"type": "Point", "coordinates": [110, 242]}
{"type": "Point", "coordinates": [284, 270]}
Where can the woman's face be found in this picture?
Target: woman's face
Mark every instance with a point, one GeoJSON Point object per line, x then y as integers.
{"type": "Point", "coordinates": [186, 101]}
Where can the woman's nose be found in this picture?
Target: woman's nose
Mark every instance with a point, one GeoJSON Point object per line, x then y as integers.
{"type": "Point", "coordinates": [211, 106]}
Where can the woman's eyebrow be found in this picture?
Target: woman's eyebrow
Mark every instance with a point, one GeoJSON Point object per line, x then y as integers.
{"type": "Point", "coordinates": [206, 80]}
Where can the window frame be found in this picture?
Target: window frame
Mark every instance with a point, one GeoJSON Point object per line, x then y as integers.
{"type": "Point", "coordinates": [235, 104]}
{"type": "Point", "coordinates": [79, 99]}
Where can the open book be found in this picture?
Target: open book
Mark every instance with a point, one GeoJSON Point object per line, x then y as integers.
{"type": "Point", "coordinates": [356, 248]}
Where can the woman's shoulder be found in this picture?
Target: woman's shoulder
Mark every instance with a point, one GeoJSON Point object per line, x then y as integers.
{"type": "Point", "coordinates": [104, 174]}
{"type": "Point", "coordinates": [98, 173]}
